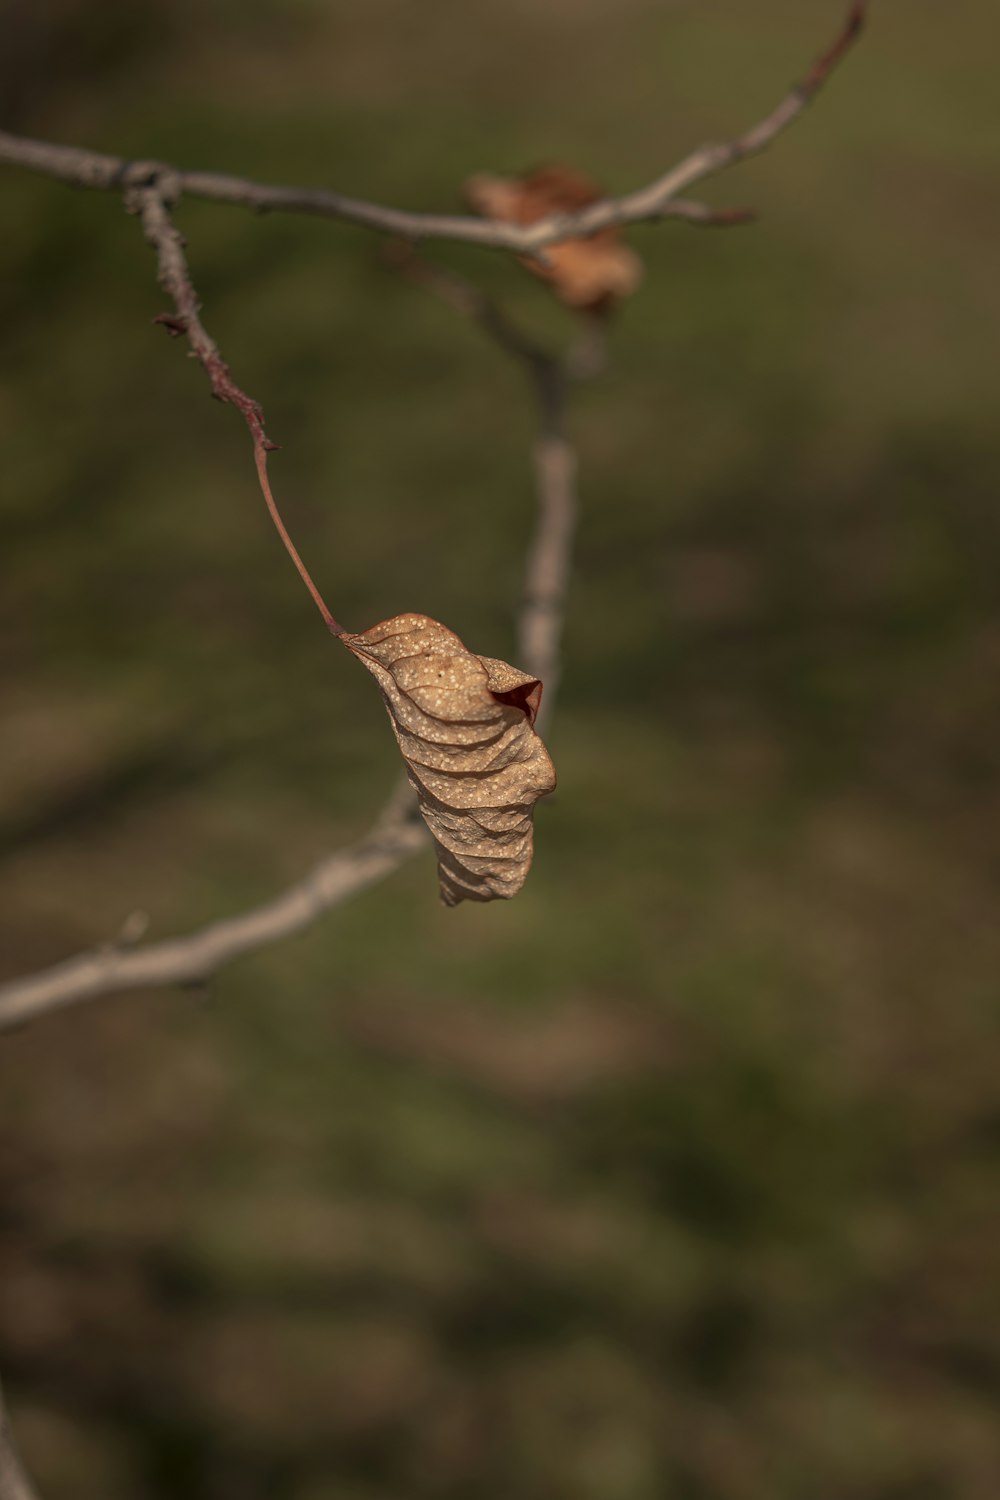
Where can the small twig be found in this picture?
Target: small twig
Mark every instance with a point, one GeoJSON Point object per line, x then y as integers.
{"type": "Point", "coordinates": [459, 293]}
{"type": "Point", "coordinates": [14, 1482]}
{"type": "Point", "coordinates": [651, 201]}
{"type": "Point", "coordinates": [149, 192]}
{"type": "Point", "coordinates": [192, 960]}
{"type": "Point", "coordinates": [547, 568]}
{"type": "Point", "coordinates": [657, 200]}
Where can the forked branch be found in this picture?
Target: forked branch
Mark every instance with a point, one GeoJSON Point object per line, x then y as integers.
{"type": "Point", "coordinates": [659, 199]}
{"type": "Point", "coordinates": [150, 190]}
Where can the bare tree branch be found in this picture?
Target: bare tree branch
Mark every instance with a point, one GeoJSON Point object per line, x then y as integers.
{"type": "Point", "coordinates": [547, 570]}
{"type": "Point", "coordinates": [651, 201]}
{"type": "Point", "coordinates": [95, 169]}
{"type": "Point", "coordinates": [192, 960]}
{"type": "Point", "coordinates": [659, 199]}
{"type": "Point", "coordinates": [14, 1482]}
{"type": "Point", "coordinates": [547, 565]}
{"type": "Point", "coordinates": [149, 191]}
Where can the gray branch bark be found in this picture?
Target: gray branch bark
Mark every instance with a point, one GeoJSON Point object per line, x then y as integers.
{"type": "Point", "coordinates": [192, 960]}
{"type": "Point", "coordinates": [659, 199]}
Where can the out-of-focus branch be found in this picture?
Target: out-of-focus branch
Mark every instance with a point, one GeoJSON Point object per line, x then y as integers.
{"type": "Point", "coordinates": [96, 169]}
{"type": "Point", "coordinates": [547, 571]}
{"type": "Point", "coordinates": [659, 199]}
{"type": "Point", "coordinates": [192, 960]}
{"type": "Point", "coordinates": [14, 1482]}
{"type": "Point", "coordinates": [547, 567]}
{"type": "Point", "coordinates": [651, 201]}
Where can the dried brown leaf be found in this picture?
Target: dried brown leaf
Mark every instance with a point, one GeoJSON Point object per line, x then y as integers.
{"type": "Point", "coordinates": [590, 275]}
{"type": "Point", "coordinates": [464, 725]}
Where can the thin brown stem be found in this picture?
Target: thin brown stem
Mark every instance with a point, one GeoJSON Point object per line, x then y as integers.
{"type": "Point", "coordinates": [260, 458]}
{"type": "Point", "coordinates": [149, 194]}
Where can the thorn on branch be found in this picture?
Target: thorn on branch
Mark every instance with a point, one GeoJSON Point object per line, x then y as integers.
{"type": "Point", "coordinates": [133, 929]}
{"type": "Point", "coordinates": [175, 326]}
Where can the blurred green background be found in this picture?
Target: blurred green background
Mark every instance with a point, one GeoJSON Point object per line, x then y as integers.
{"type": "Point", "coordinates": [677, 1176]}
